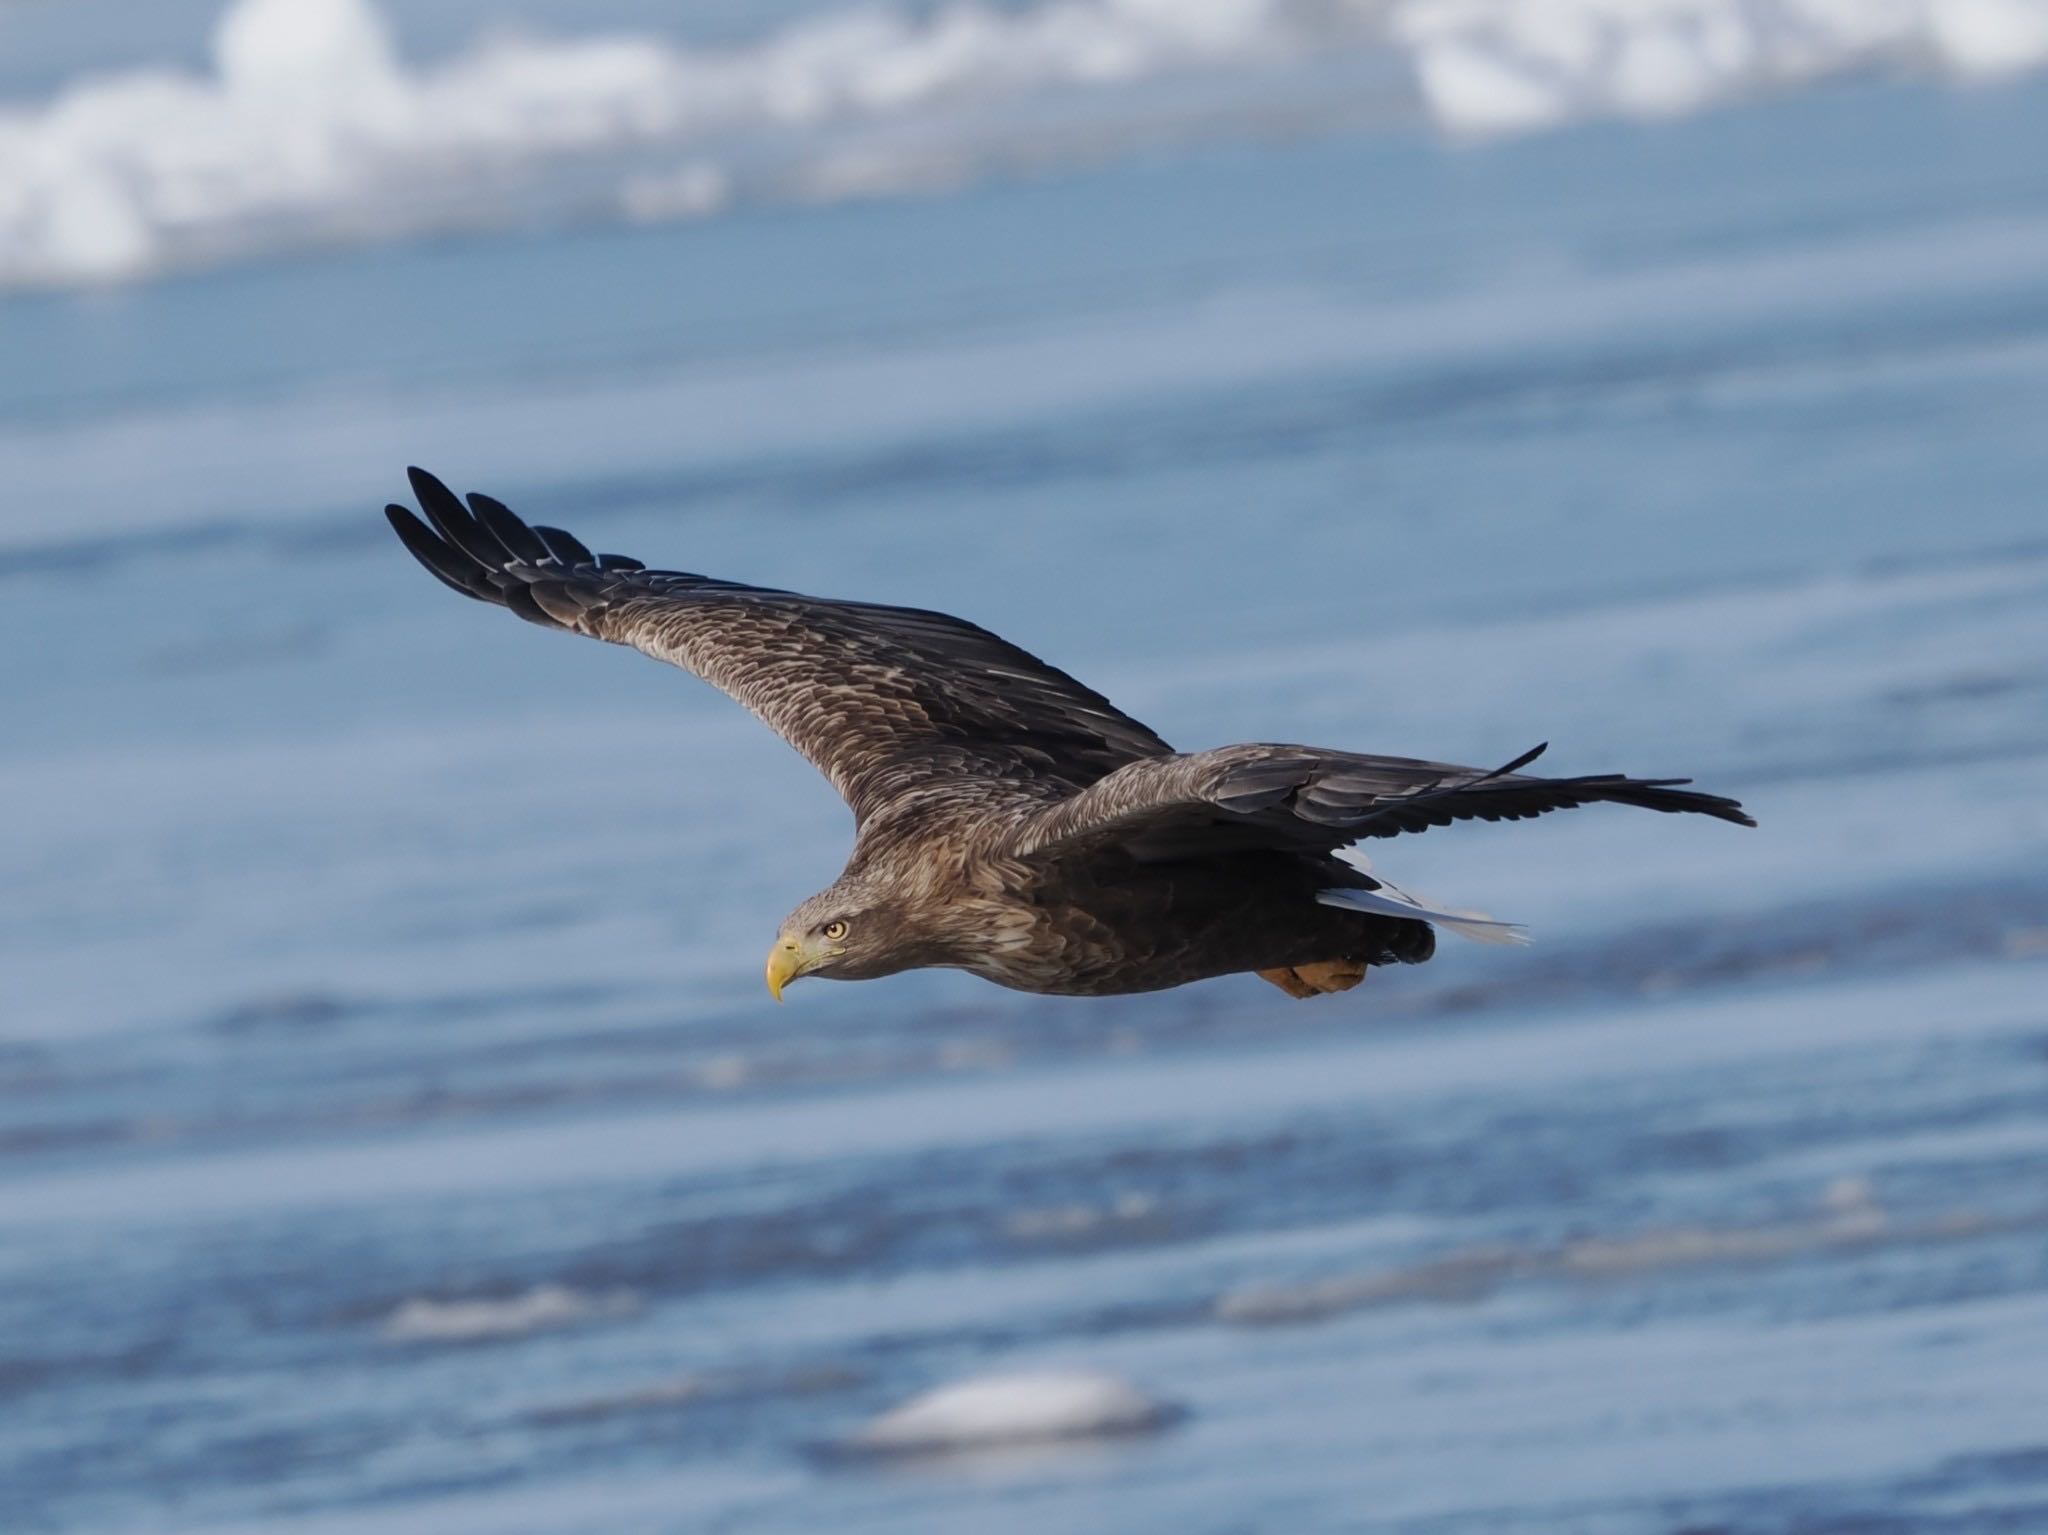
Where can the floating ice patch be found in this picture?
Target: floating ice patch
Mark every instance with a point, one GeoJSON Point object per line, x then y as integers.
{"type": "Point", "coordinates": [423, 1320]}
{"type": "Point", "coordinates": [1850, 1215]}
{"type": "Point", "coordinates": [310, 128]}
{"type": "Point", "coordinates": [1072, 1222]}
{"type": "Point", "coordinates": [1026, 1408]}
{"type": "Point", "coordinates": [1503, 66]}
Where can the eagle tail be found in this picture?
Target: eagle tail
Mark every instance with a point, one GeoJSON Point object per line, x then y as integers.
{"type": "Point", "coordinates": [1389, 901]}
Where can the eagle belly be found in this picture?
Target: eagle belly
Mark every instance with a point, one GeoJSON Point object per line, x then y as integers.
{"type": "Point", "coordinates": [1126, 926]}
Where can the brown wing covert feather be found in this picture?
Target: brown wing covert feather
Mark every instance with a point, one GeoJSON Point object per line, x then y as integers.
{"type": "Point", "coordinates": [881, 700]}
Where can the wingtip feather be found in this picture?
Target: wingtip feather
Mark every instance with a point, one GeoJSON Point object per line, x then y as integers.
{"type": "Point", "coordinates": [447, 564]}
{"type": "Point", "coordinates": [522, 545]}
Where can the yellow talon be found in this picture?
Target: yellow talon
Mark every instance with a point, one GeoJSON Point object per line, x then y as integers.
{"type": "Point", "coordinates": [1316, 980]}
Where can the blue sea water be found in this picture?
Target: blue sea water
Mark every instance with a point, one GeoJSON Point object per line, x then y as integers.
{"type": "Point", "coordinates": [393, 1131]}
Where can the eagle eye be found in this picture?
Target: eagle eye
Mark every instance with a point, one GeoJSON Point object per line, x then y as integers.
{"type": "Point", "coordinates": [835, 930]}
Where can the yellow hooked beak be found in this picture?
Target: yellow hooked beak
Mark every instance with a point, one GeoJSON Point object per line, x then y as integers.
{"type": "Point", "coordinates": [786, 961]}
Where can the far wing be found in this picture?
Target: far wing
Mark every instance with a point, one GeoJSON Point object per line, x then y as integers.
{"type": "Point", "coordinates": [881, 700]}
{"type": "Point", "coordinates": [1306, 799]}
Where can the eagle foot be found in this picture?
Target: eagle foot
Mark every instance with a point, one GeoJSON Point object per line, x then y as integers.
{"type": "Point", "coordinates": [1316, 980]}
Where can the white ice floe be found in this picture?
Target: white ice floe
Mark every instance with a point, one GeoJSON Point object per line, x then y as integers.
{"type": "Point", "coordinates": [541, 1309]}
{"type": "Point", "coordinates": [1503, 66]}
{"type": "Point", "coordinates": [1027, 1407]}
{"type": "Point", "coordinates": [310, 127]}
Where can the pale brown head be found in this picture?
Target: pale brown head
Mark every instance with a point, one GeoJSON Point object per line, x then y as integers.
{"type": "Point", "coordinates": [853, 930]}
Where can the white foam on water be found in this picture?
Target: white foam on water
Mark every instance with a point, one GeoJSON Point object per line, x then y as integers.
{"type": "Point", "coordinates": [1024, 1407]}
{"type": "Point", "coordinates": [1504, 66]}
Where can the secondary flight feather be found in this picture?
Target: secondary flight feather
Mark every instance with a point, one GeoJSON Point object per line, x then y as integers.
{"type": "Point", "coordinates": [1009, 820]}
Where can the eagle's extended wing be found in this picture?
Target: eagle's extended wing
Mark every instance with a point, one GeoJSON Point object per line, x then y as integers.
{"type": "Point", "coordinates": [879, 699]}
{"type": "Point", "coordinates": [1306, 799]}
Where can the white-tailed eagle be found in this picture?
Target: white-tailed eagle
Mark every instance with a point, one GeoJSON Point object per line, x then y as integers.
{"type": "Point", "coordinates": [1010, 821]}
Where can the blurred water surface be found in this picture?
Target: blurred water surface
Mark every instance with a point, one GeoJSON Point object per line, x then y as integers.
{"type": "Point", "coordinates": [394, 1134]}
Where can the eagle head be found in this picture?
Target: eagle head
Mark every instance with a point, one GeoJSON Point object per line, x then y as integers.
{"type": "Point", "coordinates": [850, 931]}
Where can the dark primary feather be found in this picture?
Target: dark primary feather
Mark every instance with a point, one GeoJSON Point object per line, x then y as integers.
{"type": "Point", "coordinates": [882, 700]}
{"type": "Point", "coordinates": [1312, 800]}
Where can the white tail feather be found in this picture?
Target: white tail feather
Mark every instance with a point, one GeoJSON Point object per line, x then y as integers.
{"type": "Point", "coordinates": [1390, 902]}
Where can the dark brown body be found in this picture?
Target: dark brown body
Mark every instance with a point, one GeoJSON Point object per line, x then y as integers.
{"type": "Point", "coordinates": [1131, 926]}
